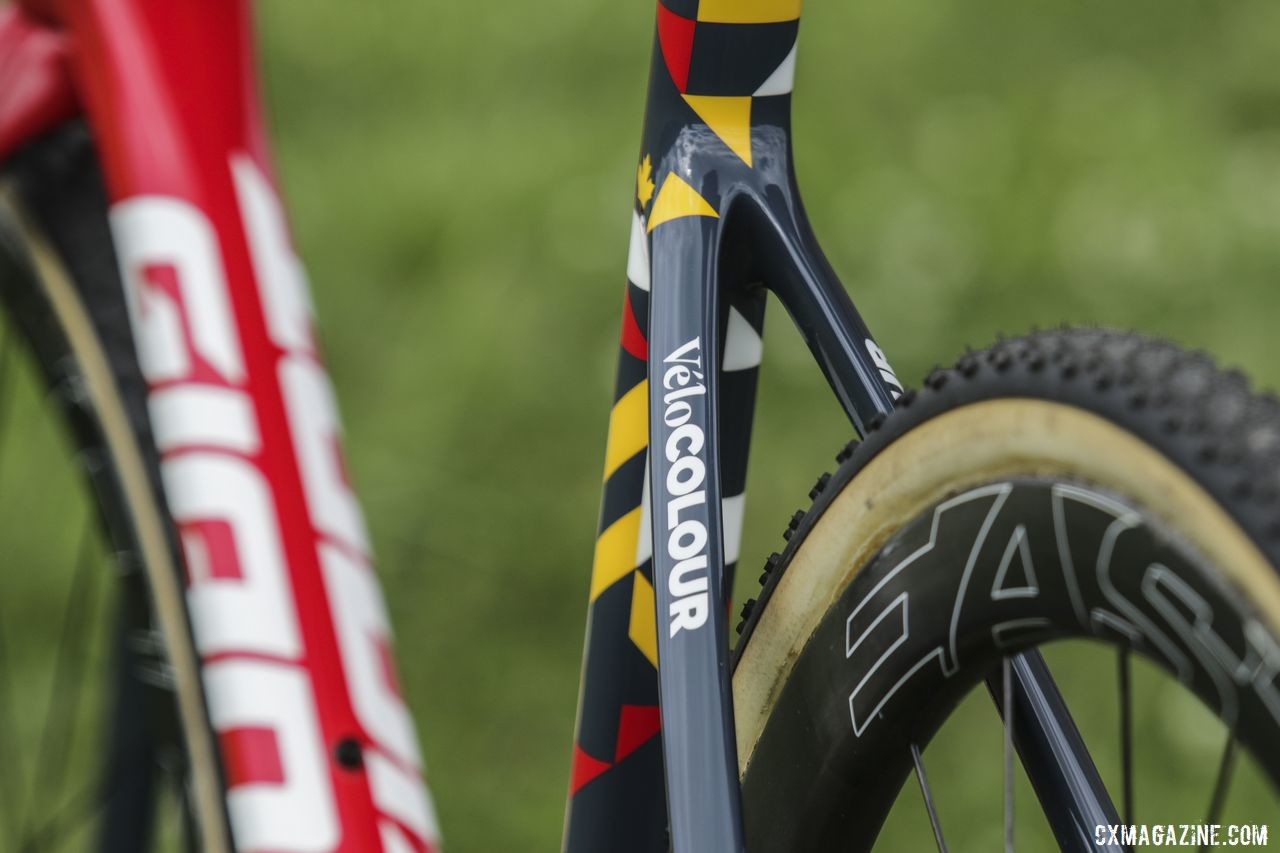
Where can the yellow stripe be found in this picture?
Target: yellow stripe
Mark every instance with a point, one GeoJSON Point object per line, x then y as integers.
{"type": "Point", "coordinates": [748, 11]}
{"type": "Point", "coordinates": [677, 199]}
{"type": "Point", "coordinates": [729, 118]}
{"type": "Point", "coordinates": [615, 553]}
{"type": "Point", "coordinates": [643, 629]}
{"type": "Point", "coordinates": [628, 428]}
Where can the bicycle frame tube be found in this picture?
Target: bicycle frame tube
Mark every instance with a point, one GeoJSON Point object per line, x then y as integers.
{"type": "Point", "coordinates": [317, 748]}
{"type": "Point", "coordinates": [716, 213]}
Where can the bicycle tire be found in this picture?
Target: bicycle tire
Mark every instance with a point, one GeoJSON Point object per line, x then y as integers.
{"type": "Point", "coordinates": [60, 284]}
{"type": "Point", "coordinates": [1096, 443]}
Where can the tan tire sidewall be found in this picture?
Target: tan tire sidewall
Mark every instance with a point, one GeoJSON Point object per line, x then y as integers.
{"type": "Point", "coordinates": [149, 520]}
{"type": "Point", "coordinates": [961, 448]}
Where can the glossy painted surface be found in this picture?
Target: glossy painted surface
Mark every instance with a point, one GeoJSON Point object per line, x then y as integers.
{"type": "Point", "coordinates": [717, 215]}
{"type": "Point", "coordinates": [35, 85]}
{"type": "Point", "coordinates": [318, 751]}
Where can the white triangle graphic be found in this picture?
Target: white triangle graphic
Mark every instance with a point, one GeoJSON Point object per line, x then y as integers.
{"type": "Point", "coordinates": [743, 348]}
{"type": "Point", "coordinates": [783, 77]}
{"type": "Point", "coordinates": [638, 254]}
{"type": "Point", "coordinates": [731, 520]}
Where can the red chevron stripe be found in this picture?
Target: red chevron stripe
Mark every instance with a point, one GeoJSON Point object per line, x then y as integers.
{"type": "Point", "coordinates": [675, 34]}
{"type": "Point", "coordinates": [636, 725]}
{"type": "Point", "coordinates": [632, 339]}
{"type": "Point", "coordinates": [585, 768]}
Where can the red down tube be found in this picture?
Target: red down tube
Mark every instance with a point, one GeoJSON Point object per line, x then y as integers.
{"type": "Point", "coordinates": [318, 748]}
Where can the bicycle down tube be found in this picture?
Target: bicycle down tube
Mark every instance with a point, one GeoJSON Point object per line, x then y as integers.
{"type": "Point", "coordinates": [317, 749]}
{"type": "Point", "coordinates": [717, 215]}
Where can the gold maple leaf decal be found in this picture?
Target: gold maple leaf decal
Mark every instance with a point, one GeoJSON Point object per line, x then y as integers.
{"type": "Point", "coordinates": [644, 181]}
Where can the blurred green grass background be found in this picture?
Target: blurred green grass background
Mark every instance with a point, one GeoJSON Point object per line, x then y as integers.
{"type": "Point", "coordinates": [458, 177]}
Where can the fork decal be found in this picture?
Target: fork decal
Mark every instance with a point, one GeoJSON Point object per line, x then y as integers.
{"type": "Point", "coordinates": [686, 538]}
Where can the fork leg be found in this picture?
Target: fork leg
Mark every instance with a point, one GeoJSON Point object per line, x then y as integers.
{"type": "Point", "coordinates": [1070, 790]}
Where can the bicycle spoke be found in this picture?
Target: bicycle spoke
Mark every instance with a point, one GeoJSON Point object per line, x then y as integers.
{"type": "Point", "coordinates": [10, 777]}
{"type": "Point", "coordinates": [11, 774]}
{"type": "Point", "coordinates": [1226, 768]}
{"type": "Point", "coordinates": [83, 806]}
{"type": "Point", "coordinates": [1008, 754]}
{"type": "Point", "coordinates": [64, 692]}
{"type": "Point", "coordinates": [1126, 732]}
{"type": "Point", "coordinates": [928, 799]}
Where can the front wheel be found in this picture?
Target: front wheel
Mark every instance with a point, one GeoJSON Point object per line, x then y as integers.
{"type": "Point", "coordinates": [1068, 485]}
{"type": "Point", "coordinates": [104, 734]}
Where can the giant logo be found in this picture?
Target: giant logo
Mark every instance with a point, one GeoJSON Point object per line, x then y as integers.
{"type": "Point", "coordinates": [223, 494]}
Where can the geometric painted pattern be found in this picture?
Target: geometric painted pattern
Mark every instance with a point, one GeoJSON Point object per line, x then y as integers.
{"type": "Point", "coordinates": [728, 117]}
{"type": "Point", "coordinates": [676, 200]}
{"type": "Point", "coordinates": [748, 11]}
{"type": "Point", "coordinates": [715, 59]}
